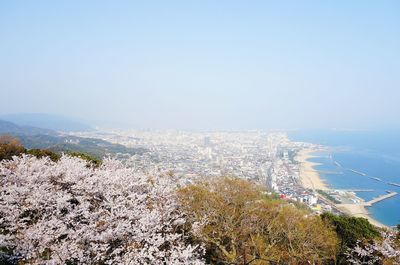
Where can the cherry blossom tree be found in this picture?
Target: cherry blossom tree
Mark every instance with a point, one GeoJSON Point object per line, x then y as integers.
{"type": "Point", "coordinates": [67, 212]}
{"type": "Point", "coordinates": [376, 252]}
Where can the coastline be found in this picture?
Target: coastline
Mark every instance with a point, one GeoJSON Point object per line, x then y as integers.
{"type": "Point", "coordinates": [311, 179]}
{"type": "Point", "coordinates": [359, 210]}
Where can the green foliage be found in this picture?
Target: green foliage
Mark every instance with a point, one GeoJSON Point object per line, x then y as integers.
{"type": "Point", "coordinates": [94, 147]}
{"type": "Point", "coordinates": [39, 153]}
{"type": "Point", "coordinates": [350, 230]}
{"type": "Point", "coordinates": [327, 196]}
{"type": "Point", "coordinates": [90, 159]}
{"type": "Point", "coordinates": [11, 146]}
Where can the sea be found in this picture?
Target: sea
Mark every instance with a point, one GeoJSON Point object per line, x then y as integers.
{"type": "Point", "coordinates": [363, 160]}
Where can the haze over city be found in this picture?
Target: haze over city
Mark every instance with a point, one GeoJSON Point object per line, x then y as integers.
{"type": "Point", "coordinates": [200, 132]}
{"type": "Point", "coordinates": [205, 64]}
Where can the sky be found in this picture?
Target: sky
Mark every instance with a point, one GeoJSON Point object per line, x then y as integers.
{"type": "Point", "coordinates": [204, 64]}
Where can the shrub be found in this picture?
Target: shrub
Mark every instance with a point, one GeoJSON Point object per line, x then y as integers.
{"type": "Point", "coordinates": [351, 231]}
{"type": "Point", "coordinates": [9, 147]}
{"type": "Point", "coordinates": [39, 153]}
{"type": "Point", "coordinates": [90, 159]}
{"type": "Point", "coordinates": [240, 225]}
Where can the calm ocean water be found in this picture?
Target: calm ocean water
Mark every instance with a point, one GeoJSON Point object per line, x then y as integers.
{"type": "Point", "coordinates": [374, 153]}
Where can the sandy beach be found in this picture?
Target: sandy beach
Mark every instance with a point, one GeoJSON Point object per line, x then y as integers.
{"type": "Point", "coordinates": [309, 177]}
{"type": "Point", "coordinates": [359, 210]}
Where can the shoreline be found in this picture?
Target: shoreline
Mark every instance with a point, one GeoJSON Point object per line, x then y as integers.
{"type": "Point", "coordinates": [359, 210]}
{"type": "Point", "coordinates": [310, 179]}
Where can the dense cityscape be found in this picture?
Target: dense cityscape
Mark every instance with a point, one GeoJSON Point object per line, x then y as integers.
{"type": "Point", "coordinates": [268, 158]}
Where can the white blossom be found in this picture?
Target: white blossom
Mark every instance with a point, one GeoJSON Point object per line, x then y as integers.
{"type": "Point", "coordinates": [374, 252]}
{"type": "Point", "coordinates": [58, 212]}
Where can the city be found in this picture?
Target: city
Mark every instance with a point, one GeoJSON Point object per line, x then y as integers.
{"type": "Point", "coordinates": [267, 158]}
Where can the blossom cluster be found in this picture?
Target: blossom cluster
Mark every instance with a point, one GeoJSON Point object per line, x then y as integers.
{"type": "Point", "coordinates": [68, 212]}
{"type": "Point", "coordinates": [375, 251]}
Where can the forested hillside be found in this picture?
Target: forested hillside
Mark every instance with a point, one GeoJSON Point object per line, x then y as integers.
{"type": "Point", "coordinates": [39, 138]}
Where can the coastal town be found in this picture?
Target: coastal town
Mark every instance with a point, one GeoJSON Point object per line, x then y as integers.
{"type": "Point", "coordinates": [200, 132]}
{"type": "Point", "coordinates": [268, 158]}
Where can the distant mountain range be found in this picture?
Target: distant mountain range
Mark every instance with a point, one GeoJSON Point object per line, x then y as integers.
{"type": "Point", "coordinates": [7, 127]}
{"type": "Point", "coordinates": [35, 137]}
{"type": "Point", "coordinates": [47, 121]}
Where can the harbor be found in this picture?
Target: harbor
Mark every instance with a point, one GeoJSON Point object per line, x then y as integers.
{"type": "Point", "coordinates": [352, 198]}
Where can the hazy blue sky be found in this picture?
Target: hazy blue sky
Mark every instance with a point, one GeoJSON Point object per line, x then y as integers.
{"type": "Point", "coordinates": [204, 64]}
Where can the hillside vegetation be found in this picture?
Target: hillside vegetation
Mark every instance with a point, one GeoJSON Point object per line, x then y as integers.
{"type": "Point", "coordinates": [242, 225]}
{"type": "Point", "coordinates": [69, 210]}
{"type": "Point", "coordinates": [11, 146]}
{"type": "Point", "coordinates": [39, 138]}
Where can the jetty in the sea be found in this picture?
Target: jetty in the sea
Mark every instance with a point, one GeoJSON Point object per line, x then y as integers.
{"type": "Point", "coordinates": [375, 178]}
{"type": "Point", "coordinates": [337, 164]}
{"type": "Point", "coordinates": [358, 172]}
{"type": "Point", "coordinates": [394, 184]}
{"type": "Point", "coordinates": [358, 190]}
{"type": "Point", "coordinates": [331, 172]}
{"type": "Point", "coordinates": [379, 198]}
